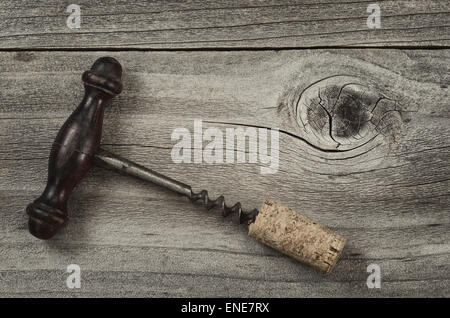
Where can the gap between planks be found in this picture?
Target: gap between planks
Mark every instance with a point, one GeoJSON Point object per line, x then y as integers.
{"type": "Point", "coordinates": [227, 49]}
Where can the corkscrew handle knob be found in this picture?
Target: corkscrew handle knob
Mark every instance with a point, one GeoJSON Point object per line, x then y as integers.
{"type": "Point", "coordinates": [72, 152]}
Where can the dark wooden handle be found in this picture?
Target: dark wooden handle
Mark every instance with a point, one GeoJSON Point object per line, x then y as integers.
{"type": "Point", "coordinates": [72, 152]}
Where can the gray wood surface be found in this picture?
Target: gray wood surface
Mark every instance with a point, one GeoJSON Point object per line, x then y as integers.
{"type": "Point", "coordinates": [385, 187]}
{"type": "Point", "coordinates": [222, 24]}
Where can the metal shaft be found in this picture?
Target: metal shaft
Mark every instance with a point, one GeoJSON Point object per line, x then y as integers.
{"type": "Point", "coordinates": [109, 160]}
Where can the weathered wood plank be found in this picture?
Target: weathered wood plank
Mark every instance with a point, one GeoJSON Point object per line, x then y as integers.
{"type": "Point", "coordinates": [147, 284]}
{"type": "Point", "coordinates": [389, 196]}
{"type": "Point", "coordinates": [222, 24]}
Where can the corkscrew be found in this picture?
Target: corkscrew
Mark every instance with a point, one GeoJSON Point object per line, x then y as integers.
{"type": "Point", "coordinates": [112, 161]}
{"type": "Point", "coordinates": [76, 148]}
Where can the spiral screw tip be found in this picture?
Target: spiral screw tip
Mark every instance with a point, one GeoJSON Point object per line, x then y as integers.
{"type": "Point", "coordinates": [226, 210]}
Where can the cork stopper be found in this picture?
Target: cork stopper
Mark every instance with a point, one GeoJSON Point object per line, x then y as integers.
{"type": "Point", "coordinates": [297, 236]}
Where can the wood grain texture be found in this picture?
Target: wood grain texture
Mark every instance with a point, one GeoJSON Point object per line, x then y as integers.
{"type": "Point", "coordinates": [389, 196]}
{"type": "Point", "coordinates": [222, 24]}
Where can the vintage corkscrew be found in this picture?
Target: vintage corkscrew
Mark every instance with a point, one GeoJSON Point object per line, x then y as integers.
{"type": "Point", "coordinates": [76, 148]}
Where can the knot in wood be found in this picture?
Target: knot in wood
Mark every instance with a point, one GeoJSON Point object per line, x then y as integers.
{"type": "Point", "coordinates": [343, 112]}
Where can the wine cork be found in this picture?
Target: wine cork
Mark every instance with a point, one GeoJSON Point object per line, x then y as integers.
{"type": "Point", "coordinates": [297, 236]}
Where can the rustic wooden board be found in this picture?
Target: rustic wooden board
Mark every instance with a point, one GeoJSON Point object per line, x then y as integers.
{"type": "Point", "coordinates": [222, 24]}
{"type": "Point", "coordinates": [385, 190]}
